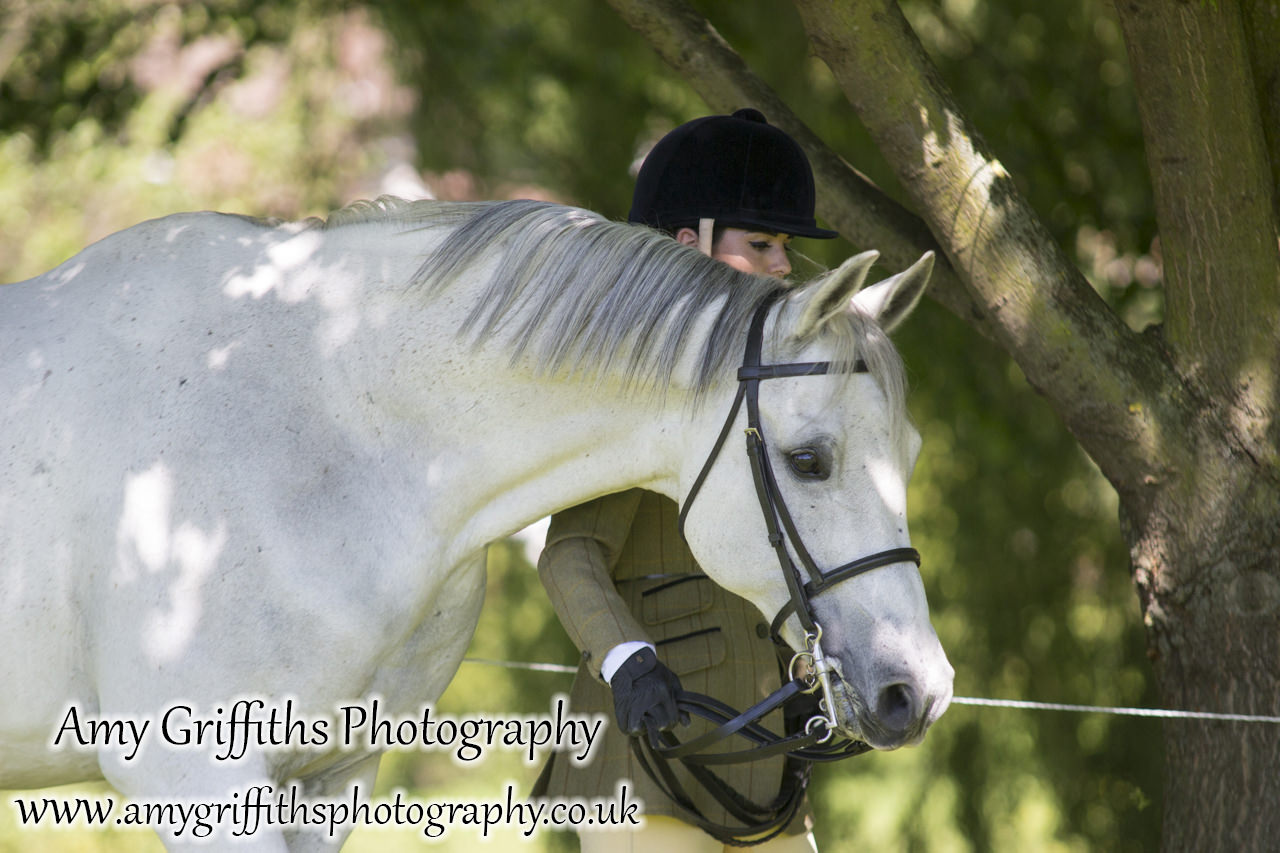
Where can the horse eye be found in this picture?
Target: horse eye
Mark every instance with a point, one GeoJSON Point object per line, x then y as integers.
{"type": "Point", "coordinates": [807, 462]}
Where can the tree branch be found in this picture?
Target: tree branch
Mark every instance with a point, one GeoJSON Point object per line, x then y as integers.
{"type": "Point", "coordinates": [1112, 387]}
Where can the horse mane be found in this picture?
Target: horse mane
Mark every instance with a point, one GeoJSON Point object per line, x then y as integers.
{"type": "Point", "coordinates": [585, 294]}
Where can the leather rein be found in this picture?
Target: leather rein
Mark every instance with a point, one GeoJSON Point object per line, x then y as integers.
{"type": "Point", "coordinates": [808, 674]}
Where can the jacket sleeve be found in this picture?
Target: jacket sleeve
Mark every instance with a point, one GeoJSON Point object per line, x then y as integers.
{"type": "Point", "coordinates": [577, 569]}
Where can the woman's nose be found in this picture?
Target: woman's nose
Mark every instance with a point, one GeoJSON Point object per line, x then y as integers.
{"type": "Point", "coordinates": [779, 263]}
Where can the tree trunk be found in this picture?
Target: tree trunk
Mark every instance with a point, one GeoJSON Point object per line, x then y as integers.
{"type": "Point", "coordinates": [1206, 544]}
{"type": "Point", "coordinates": [1205, 551]}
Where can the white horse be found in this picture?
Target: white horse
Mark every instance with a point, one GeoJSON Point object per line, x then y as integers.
{"type": "Point", "coordinates": [242, 458]}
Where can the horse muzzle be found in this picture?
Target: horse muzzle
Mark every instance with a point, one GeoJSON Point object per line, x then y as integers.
{"type": "Point", "coordinates": [892, 712]}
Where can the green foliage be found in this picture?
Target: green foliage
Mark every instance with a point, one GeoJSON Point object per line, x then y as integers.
{"type": "Point", "coordinates": [558, 96]}
{"type": "Point", "coordinates": [75, 60]}
{"type": "Point", "coordinates": [232, 106]}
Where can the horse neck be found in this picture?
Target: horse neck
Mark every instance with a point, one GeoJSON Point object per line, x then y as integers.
{"type": "Point", "coordinates": [497, 445]}
{"type": "Point", "coordinates": [548, 445]}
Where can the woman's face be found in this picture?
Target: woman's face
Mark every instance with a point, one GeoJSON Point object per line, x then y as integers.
{"type": "Point", "coordinates": [757, 252]}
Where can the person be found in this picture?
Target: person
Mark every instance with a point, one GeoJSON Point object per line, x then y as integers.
{"type": "Point", "coordinates": [623, 582]}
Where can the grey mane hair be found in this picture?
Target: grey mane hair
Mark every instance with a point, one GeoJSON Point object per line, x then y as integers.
{"type": "Point", "coordinates": [580, 293]}
{"type": "Point", "coordinates": [583, 294]}
{"type": "Point", "coordinates": [420, 211]}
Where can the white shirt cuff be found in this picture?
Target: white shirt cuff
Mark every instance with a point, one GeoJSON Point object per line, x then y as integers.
{"type": "Point", "coordinates": [619, 654]}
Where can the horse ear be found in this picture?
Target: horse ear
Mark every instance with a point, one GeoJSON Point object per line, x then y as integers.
{"type": "Point", "coordinates": [891, 300]}
{"type": "Point", "coordinates": [831, 294]}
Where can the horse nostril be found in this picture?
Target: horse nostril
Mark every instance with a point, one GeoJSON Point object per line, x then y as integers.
{"type": "Point", "coordinates": [897, 707]}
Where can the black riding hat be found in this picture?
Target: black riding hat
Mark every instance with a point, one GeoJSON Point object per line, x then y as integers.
{"type": "Point", "coordinates": [738, 170]}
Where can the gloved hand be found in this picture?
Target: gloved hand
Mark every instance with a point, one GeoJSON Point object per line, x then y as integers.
{"type": "Point", "coordinates": [644, 694]}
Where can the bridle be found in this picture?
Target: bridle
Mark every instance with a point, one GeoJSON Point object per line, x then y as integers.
{"type": "Point", "coordinates": [808, 672]}
{"type": "Point", "coordinates": [779, 524]}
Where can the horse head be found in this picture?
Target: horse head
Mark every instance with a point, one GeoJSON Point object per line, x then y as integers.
{"type": "Point", "coordinates": [833, 453]}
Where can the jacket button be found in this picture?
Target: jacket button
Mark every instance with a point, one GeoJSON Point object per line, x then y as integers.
{"type": "Point", "coordinates": [762, 630]}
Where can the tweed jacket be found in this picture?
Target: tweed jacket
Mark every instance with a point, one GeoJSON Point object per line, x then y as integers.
{"type": "Point", "coordinates": [616, 570]}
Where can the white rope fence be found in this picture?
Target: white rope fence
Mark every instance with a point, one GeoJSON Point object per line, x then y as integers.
{"type": "Point", "coordinates": [512, 664]}
{"type": "Point", "coordinates": [967, 700]}
{"type": "Point", "coordinates": [1124, 712]}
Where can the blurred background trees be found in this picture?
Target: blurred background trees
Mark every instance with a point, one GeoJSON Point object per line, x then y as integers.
{"type": "Point", "coordinates": [115, 111]}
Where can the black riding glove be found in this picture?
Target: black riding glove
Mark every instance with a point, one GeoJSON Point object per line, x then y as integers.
{"type": "Point", "coordinates": [644, 694]}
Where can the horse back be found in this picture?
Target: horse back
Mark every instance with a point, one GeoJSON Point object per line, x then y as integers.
{"type": "Point", "coordinates": [168, 462]}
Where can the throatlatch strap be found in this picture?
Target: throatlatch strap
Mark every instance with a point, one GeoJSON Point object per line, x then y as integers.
{"type": "Point", "coordinates": [711, 458]}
